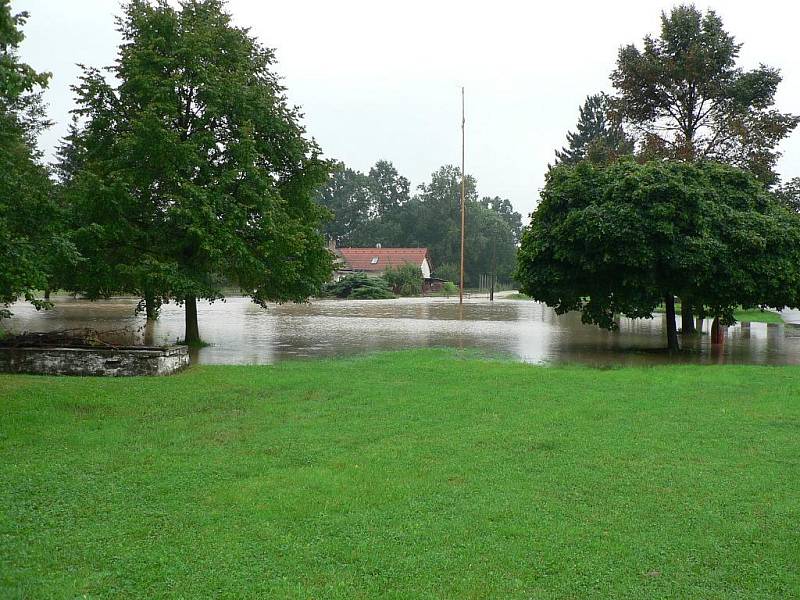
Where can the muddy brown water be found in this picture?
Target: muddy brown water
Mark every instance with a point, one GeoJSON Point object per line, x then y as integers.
{"type": "Point", "coordinates": [239, 332]}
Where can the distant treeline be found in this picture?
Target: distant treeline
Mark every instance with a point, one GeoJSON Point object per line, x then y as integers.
{"type": "Point", "coordinates": [378, 208]}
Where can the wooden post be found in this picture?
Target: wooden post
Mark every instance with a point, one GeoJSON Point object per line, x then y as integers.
{"type": "Point", "coordinates": [494, 262]}
{"type": "Point", "coordinates": [463, 204]}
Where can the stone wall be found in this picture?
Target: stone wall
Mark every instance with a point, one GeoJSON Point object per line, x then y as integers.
{"type": "Point", "coordinates": [117, 362]}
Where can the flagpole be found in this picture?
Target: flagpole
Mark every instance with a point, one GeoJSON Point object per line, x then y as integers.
{"type": "Point", "coordinates": [463, 204]}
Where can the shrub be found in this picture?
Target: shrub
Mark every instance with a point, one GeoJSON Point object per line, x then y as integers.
{"type": "Point", "coordinates": [358, 286]}
{"type": "Point", "coordinates": [372, 293]}
{"type": "Point", "coordinates": [405, 280]}
{"type": "Point", "coordinates": [448, 272]}
{"type": "Point", "coordinates": [448, 287]}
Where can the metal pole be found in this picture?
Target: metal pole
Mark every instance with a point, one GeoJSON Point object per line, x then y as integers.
{"type": "Point", "coordinates": [463, 204]}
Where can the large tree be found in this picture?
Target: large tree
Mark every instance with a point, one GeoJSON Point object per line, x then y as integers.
{"type": "Point", "coordinates": [366, 208]}
{"type": "Point", "coordinates": [346, 194]}
{"type": "Point", "coordinates": [389, 191]}
{"type": "Point", "coordinates": [32, 241]}
{"type": "Point", "coordinates": [617, 240]}
{"type": "Point", "coordinates": [596, 137]}
{"type": "Point", "coordinates": [433, 219]}
{"type": "Point", "coordinates": [194, 170]}
{"type": "Point", "coordinates": [685, 98]}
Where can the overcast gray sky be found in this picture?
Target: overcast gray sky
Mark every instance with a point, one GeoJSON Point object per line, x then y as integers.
{"type": "Point", "coordinates": [382, 79]}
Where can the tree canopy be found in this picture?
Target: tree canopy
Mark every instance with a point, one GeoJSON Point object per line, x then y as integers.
{"type": "Point", "coordinates": [685, 98]}
{"type": "Point", "coordinates": [620, 240]}
{"type": "Point", "coordinates": [789, 193]}
{"type": "Point", "coordinates": [32, 240]}
{"type": "Point", "coordinates": [366, 208]}
{"type": "Point", "coordinates": [191, 171]}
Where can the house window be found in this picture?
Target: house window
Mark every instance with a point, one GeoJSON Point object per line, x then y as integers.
{"type": "Point", "coordinates": [374, 260]}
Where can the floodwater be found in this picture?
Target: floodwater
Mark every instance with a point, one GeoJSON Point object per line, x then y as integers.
{"type": "Point", "coordinates": [239, 332]}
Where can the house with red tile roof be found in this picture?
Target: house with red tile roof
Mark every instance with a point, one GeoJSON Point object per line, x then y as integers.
{"type": "Point", "coordinates": [375, 261]}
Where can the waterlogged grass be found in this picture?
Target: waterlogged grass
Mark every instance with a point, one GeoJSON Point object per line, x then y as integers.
{"type": "Point", "coordinates": [757, 316]}
{"type": "Point", "coordinates": [753, 315]}
{"type": "Point", "coordinates": [421, 474]}
{"type": "Point", "coordinates": [517, 296]}
{"type": "Point", "coordinates": [745, 316]}
{"type": "Point", "coordinates": [194, 344]}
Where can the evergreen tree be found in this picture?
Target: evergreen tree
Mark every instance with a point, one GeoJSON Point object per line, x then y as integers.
{"type": "Point", "coordinates": [596, 138]}
{"type": "Point", "coordinates": [70, 153]}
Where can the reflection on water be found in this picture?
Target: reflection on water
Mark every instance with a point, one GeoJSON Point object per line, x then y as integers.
{"type": "Point", "coordinates": [241, 332]}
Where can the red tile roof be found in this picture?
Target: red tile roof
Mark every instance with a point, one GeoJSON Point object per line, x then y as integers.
{"type": "Point", "coordinates": [361, 259]}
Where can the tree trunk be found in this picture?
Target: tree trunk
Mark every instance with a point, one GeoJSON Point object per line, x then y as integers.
{"type": "Point", "coordinates": [192, 331]}
{"type": "Point", "coordinates": [150, 306]}
{"type": "Point", "coordinates": [149, 333]}
{"type": "Point", "coordinates": [717, 332]}
{"type": "Point", "coordinates": [47, 294]}
{"type": "Point", "coordinates": [687, 317]}
{"type": "Point", "coordinates": [672, 327]}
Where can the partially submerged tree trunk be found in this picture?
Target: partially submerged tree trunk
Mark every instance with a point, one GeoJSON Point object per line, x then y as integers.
{"type": "Point", "coordinates": [672, 326]}
{"type": "Point", "coordinates": [687, 317]}
{"type": "Point", "coordinates": [150, 308]}
{"type": "Point", "coordinates": [717, 332]}
{"type": "Point", "coordinates": [192, 331]}
{"type": "Point", "coordinates": [47, 294]}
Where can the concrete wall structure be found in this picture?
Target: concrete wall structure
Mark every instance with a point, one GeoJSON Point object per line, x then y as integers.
{"type": "Point", "coordinates": [110, 362]}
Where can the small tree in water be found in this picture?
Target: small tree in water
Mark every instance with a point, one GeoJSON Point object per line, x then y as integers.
{"type": "Point", "coordinates": [617, 240]}
{"type": "Point", "coordinates": [195, 171]}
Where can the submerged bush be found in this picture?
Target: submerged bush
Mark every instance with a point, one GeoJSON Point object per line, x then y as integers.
{"type": "Point", "coordinates": [448, 287]}
{"type": "Point", "coordinates": [359, 286]}
{"type": "Point", "coordinates": [372, 293]}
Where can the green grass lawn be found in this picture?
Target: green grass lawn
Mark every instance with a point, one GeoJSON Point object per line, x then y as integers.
{"type": "Point", "coordinates": [419, 474]}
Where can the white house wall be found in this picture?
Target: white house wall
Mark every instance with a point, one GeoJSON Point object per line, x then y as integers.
{"type": "Point", "coordinates": [426, 269]}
